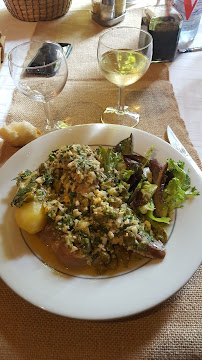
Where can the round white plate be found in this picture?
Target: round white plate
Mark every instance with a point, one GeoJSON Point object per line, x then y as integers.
{"type": "Point", "coordinates": [94, 298]}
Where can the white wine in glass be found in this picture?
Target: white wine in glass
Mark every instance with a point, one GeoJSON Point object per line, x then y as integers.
{"type": "Point", "coordinates": [124, 55]}
{"type": "Point", "coordinates": [39, 71]}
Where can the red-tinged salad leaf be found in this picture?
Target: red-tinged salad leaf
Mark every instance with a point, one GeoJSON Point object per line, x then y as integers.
{"type": "Point", "coordinates": [136, 168]}
{"type": "Point", "coordinates": [155, 168]}
{"type": "Point", "coordinates": [172, 185]}
{"type": "Point", "coordinates": [161, 207]}
{"type": "Point", "coordinates": [134, 194]}
{"type": "Point", "coordinates": [157, 197]}
{"type": "Point", "coordinates": [144, 195]}
{"type": "Point", "coordinates": [143, 160]}
{"type": "Point", "coordinates": [134, 158]}
{"type": "Point", "coordinates": [125, 146]}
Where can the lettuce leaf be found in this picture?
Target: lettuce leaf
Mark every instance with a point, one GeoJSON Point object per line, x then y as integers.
{"type": "Point", "coordinates": [177, 169]}
{"type": "Point", "coordinates": [147, 207]}
{"type": "Point", "coordinates": [178, 188]}
{"type": "Point", "coordinates": [174, 194]}
{"type": "Point", "coordinates": [148, 190]}
{"type": "Point", "coordinates": [165, 220]}
{"type": "Point", "coordinates": [109, 158]}
{"type": "Point", "coordinates": [127, 174]}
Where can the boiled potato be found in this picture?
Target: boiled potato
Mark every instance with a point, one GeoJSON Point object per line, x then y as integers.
{"type": "Point", "coordinates": [31, 217]}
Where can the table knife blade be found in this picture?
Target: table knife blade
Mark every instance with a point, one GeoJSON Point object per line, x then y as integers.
{"type": "Point", "coordinates": [176, 144]}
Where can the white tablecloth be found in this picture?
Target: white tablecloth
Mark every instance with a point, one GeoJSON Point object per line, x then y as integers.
{"type": "Point", "coordinates": [185, 72]}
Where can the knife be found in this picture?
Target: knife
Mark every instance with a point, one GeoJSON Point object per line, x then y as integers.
{"type": "Point", "coordinates": [176, 144]}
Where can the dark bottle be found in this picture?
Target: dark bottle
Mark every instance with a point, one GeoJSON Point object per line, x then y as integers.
{"type": "Point", "coordinates": [164, 24]}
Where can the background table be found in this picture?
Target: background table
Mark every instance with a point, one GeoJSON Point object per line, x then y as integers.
{"type": "Point", "coordinates": [170, 331]}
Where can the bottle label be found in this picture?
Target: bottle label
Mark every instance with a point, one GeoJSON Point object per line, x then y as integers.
{"type": "Point", "coordinates": [188, 7]}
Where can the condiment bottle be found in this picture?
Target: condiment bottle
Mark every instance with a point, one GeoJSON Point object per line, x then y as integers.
{"type": "Point", "coordinates": [164, 24]}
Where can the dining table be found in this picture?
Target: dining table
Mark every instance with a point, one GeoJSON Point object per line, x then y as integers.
{"type": "Point", "coordinates": [168, 94]}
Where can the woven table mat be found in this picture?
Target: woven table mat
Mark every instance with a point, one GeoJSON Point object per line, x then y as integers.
{"type": "Point", "coordinates": [82, 102]}
{"type": "Point", "coordinates": [171, 330]}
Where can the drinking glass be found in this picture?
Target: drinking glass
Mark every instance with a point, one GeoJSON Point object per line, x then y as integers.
{"type": "Point", "coordinates": [39, 71]}
{"type": "Point", "coordinates": [124, 55]}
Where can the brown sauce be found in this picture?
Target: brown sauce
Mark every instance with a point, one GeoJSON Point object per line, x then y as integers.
{"type": "Point", "coordinates": [46, 255]}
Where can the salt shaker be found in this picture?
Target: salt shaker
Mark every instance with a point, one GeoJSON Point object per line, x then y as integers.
{"type": "Point", "coordinates": [108, 12]}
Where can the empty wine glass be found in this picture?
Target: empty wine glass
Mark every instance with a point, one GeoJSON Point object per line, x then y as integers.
{"type": "Point", "coordinates": [39, 71]}
{"type": "Point", "coordinates": [124, 55]}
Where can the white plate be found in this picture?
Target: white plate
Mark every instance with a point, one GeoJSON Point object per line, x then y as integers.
{"type": "Point", "coordinates": [94, 298]}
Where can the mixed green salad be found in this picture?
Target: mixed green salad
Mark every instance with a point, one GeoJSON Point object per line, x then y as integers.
{"type": "Point", "coordinates": [99, 207]}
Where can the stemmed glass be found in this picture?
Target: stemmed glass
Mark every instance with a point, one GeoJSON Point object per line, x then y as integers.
{"type": "Point", "coordinates": [124, 55]}
{"type": "Point", "coordinates": [39, 71]}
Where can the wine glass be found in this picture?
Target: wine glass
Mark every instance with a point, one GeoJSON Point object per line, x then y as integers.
{"type": "Point", "coordinates": [124, 55]}
{"type": "Point", "coordinates": [39, 71]}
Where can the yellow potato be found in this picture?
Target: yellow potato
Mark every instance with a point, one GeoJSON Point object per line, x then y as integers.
{"type": "Point", "coordinates": [31, 217]}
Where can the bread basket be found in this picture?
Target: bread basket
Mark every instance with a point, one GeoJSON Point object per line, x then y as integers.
{"type": "Point", "coordinates": [37, 10]}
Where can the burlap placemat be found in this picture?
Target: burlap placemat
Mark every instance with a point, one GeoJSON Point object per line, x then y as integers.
{"type": "Point", "coordinates": [172, 330]}
{"type": "Point", "coordinates": [82, 102]}
{"type": "Point", "coordinates": [87, 93]}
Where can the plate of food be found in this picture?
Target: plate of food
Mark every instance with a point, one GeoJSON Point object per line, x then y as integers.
{"type": "Point", "coordinates": [98, 221]}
